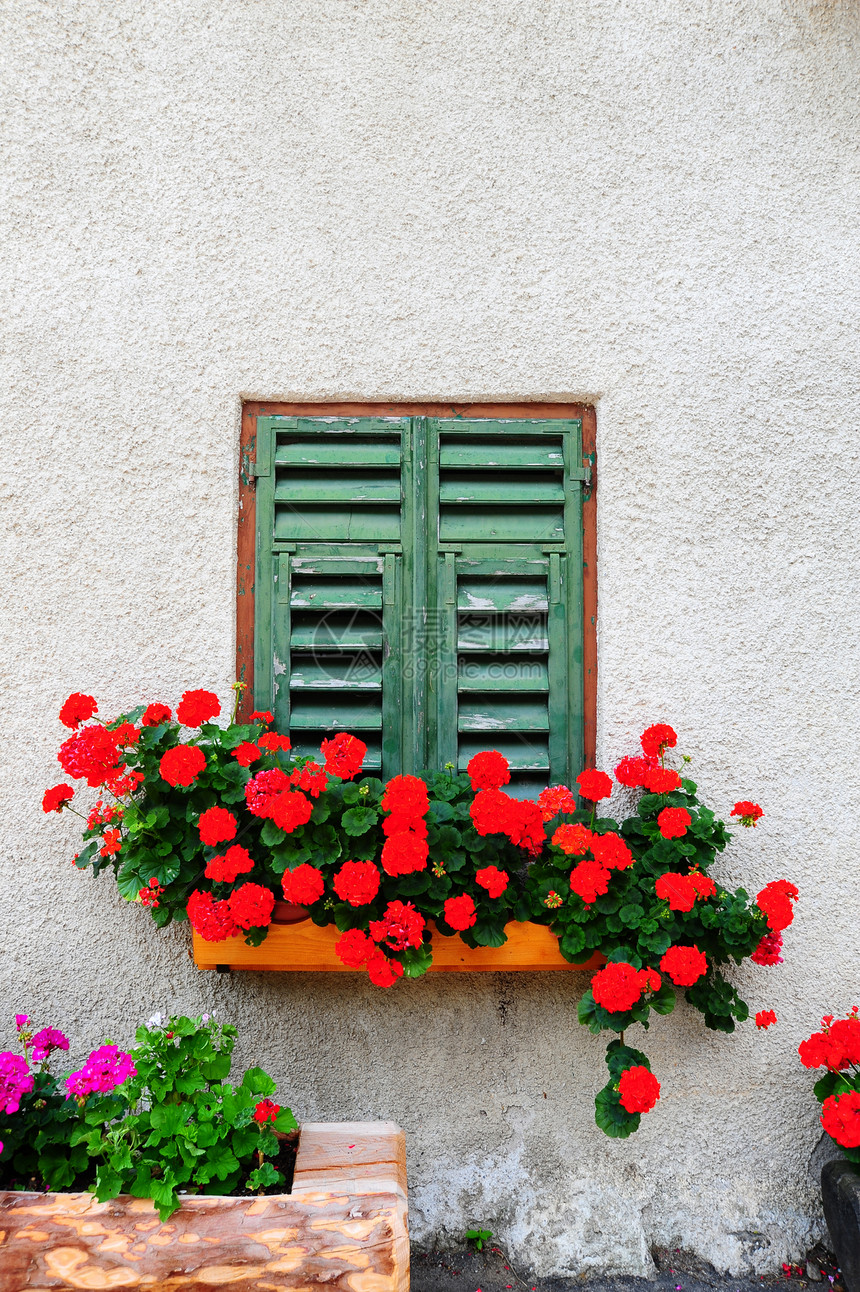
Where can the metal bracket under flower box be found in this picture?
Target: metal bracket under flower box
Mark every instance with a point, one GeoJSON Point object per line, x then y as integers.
{"type": "Point", "coordinates": [307, 948]}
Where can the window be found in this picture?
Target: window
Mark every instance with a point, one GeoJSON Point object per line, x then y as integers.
{"type": "Point", "coordinates": [421, 580]}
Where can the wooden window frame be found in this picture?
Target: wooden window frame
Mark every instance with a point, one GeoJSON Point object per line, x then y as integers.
{"type": "Point", "coordinates": [247, 520]}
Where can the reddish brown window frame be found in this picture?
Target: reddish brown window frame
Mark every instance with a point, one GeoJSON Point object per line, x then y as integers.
{"type": "Point", "coordinates": [253, 409]}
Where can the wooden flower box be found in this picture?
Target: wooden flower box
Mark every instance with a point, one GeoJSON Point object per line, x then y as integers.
{"type": "Point", "coordinates": [305, 947]}
{"type": "Point", "coordinates": [343, 1226]}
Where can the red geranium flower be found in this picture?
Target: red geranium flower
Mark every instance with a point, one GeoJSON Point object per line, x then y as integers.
{"type": "Point", "coordinates": [211, 919]}
{"type": "Point", "coordinates": [406, 796]}
{"type": "Point", "coordinates": [112, 843]}
{"type": "Point", "coordinates": [381, 971]}
{"type": "Point", "coordinates": [266, 1111]}
{"type": "Point", "coordinates": [657, 738]}
{"type": "Point", "coordinates": [684, 965]}
{"type": "Point", "coordinates": [524, 826]}
{"type": "Point", "coordinates": [611, 851]}
{"type": "Point", "coordinates": [703, 884]}
{"type": "Point", "coordinates": [154, 715]}
{"type": "Point", "coordinates": [126, 733]}
{"type": "Point", "coordinates": [749, 813]}
{"type": "Point", "coordinates": [678, 890]}
{"type": "Point", "coordinates": [489, 810]}
{"type": "Point", "coordinates": [660, 780]}
{"type": "Point", "coordinates": [291, 810]}
{"type": "Point", "coordinates": [92, 753]}
{"type": "Point", "coordinates": [765, 1018]}
{"type": "Point", "coordinates": [54, 800]}
{"type": "Point", "coordinates": [311, 778]}
{"type": "Point", "coordinates": [589, 880]}
{"type": "Point", "coordinates": [673, 822]}
{"type": "Point", "coordinates": [149, 895]}
{"type": "Point", "coordinates": [271, 741]}
{"type": "Point", "coordinates": [460, 912]}
{"type": "Point", "coordinates": [775, 899]}
{"type": "Point", "coordinates": [344, 755]}
{"type": "Point", "coordinates": [556, 801]}
{"type": "Point", "coordinates": [354, 948]}
{"type": "Point", "coordinates": [217, 825]}
{"type": "Point", "coordinates": [357, 882]}
{"type": "Point", "coordinates": [225, 870]}
{"type": "Point", "coordinates": [304, 885]}
{"type": "Point", "coordinates": [246, 753]}
{"type": "Point", "coordinates": [574, 840]}
{"type": "Point", "coordinates": [638, 1089]}
{"type": "Point", "coordinates": [494, 880]}
{"type": "Point", "coordinates": [401, 926]}
{"type": "Point", "coordinates": [182, 764]}
{"type": "Point", "coordinates": [251, 906]}
{"type": "Point", "coordinates": [840, 1117]}
{"type": "Point", "coordinates": [399, 824]}
{"type": "Point", "coordinates": [835, 1047]}
{"type": "Point", "coordinates": [402, 854]}
{"type": "Point", "coordinates": [489, 770]}
{"type": "Point", "coordinates": [197, 707]}
{"type": "Point", "coordinates": [262, 790]}
{"type": "Point", "coordinates": [767, 951]}
{"type": "Point", "coordinates": [617, 987]}
{"type": "Point", "coordinates": [594, 785]}
{"type": "Point", "coordinates": [262, 715]}
{"type": "Point", "coordinates": [77, 709]}
{"type": "Point", "coordinates": [632, 771]}
{"type": "Point", "coordinates": [650, 979]}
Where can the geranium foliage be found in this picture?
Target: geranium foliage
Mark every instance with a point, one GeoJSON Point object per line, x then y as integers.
{"type": "Point", "coordinates": [216, 823]}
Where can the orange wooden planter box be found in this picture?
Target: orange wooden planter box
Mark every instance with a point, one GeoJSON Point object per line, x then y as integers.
{"type": "Point", "coordinates": [306, 947]}
{"type": "Point", "coordinates": [343, 1227]}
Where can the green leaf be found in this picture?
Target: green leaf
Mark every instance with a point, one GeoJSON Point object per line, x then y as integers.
{"type": "Point", "coordinates": [416, 960]}
{"type": "Point", "coordinates": [264, 1177]}
{"type": "Point", "coordinates": [612, 1119]}
{"type": "Point", "coordinates": [285, 1122]}
{"type": "Point", "coordinates": [270, 835]}
{"type": "Point", "coordinates": [358, 820]}
{"type": "Point", "coordinates": [108, 1183]}
{"type": "Point", "coordinates": [259, 1083]}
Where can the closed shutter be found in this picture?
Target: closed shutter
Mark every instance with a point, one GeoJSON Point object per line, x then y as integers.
{"type": "Point", "coordinates": [506, 581]}
{"type": "Point", "coordinates": [330, 503]}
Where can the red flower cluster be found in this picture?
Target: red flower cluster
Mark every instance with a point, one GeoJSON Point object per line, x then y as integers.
{"type": "Point", "coordinates": [405, 849]}
{"type": "Point", "coordinates": [77, 709]}
{"type": "Point", "coordinates": [574, 840]}
{"type": "Point", "coordinates": [494, 880]}
{"type": "Point", "coordinates": [354, 948]}
{"type": "Point", "coordinates": [225, 870]}
{"type": "Point", "coordinates": [246, 753]}
{"type": "Point", "coordinates": [589, 880]}
{"type": "Point", "coordinates": [556, 801]}
{"type": "Point", "coordinates": [126, 734]}
{"type": "Point", "coordinates": [655, 740]}
{"type": "Point", "coordinates": [381, 971]}
{"type": "Point", "coordinates": [765, 1018]}
{"type": "Point", "coordinates": [251, 906]}
{"type": "Point", "coordinates": [767, 951]}
{"type": "Point", "coordinates": [489, 770]}
{"type": "Point", "coordinates": [311, 778]}
{"type": "Point", "coordinates": [494, 812]}
{"type": "Point", "coordinates": [216, 825]}
{"type": "Point", "coordinates": [401, 926]}
{"type": "Point", "coordinates": [840, 1117]}
{"type": "Point", "coordinates": [775, 899]}
{"type": "Point", "coordinates": [638, 1089]}
{"type": "Point", "coordinates": [121, 785]}
{"type": "Point", "coordinates": [344, 755]}
{"type": "Point", "coordinates": [632, 771]}
{"type": "Point", "coordinates": [594, 785]}
{"type": "Point", "coordinates": [112, 842]}
{"type": "Point", "coordinates": [150, 894]}
{"type": "Point", "coordinates": [673, 822]}
{"type": "Point", "coordinates": [749, 813]}
{"type": "Point", "coordinates": [836, 1046]}
{"type": "Point", "coordinates": [661, 780]}
{"type": "Point", "coordinates": [357, 882]}
{"type": "Point", "coordinates": [304, 885]}
{"type": "Point", "coordinates": [404, 853]}
{"type": "Point", "coordinates": [54, 800]}
{"type": "Point", "coordinates": [460, 912]}
{"type": "Point", "coordinates": [182, 764]}
{"type": "Point", "coordinates": [271, 742]}
{"type": "Point", "coordinates": [197, 707]}
{"type": "Point", "coordinates": [266, 1111]}
{"type": "Point", "coordinates": [154, 715]}
{"type": "Point", "coordinates": [211, 919]}
{"type": "Point", "coordinates": [262, 715]}
{"type": "Point", "coordinates": [611, 851]}
{"type": "Point", "coordinates": [103, 815]}
{"type": "Point", "coordinates": [617, 987]}
{"type": "Point", "coordinates": [291, 810]}
{"type": "Point", "coordinates": [262, 790]}
{"type": "Point", "coordinates": [406, 796]}
{"type": "Point", "coordinates": [684, 965]}
{"type": "Point", "coordinates": [91, 753]}
{"type": "Point", "coordinates": [682, 891]}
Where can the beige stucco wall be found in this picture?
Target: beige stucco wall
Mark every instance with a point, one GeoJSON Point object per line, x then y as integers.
{"type": "Point", "coordinates": [651, 205]}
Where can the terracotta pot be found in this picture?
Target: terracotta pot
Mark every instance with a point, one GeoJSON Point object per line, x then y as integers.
{"type": "Point", "coordinates": [342, 1227]}
{"type": "Point", "coordinates": [289, 913]}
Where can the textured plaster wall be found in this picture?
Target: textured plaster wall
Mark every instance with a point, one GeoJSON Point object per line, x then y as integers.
{"type": "Point", "coordinates": [651, 205]}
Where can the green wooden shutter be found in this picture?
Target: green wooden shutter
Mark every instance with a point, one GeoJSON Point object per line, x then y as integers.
{"type": "Point", "coordinates": [505, 582]}
{"type": "Point", "coordinates": [329, 586]}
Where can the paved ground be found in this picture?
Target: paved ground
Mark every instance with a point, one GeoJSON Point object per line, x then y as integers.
{"type": "Point", "coordinates": [491, 1271]}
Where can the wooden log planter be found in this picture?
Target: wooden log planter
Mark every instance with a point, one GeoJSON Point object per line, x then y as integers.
{"type": "Point", "coordinates": [343, 1226]}
{"type": "Point", "coordinates": [306, 947]}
